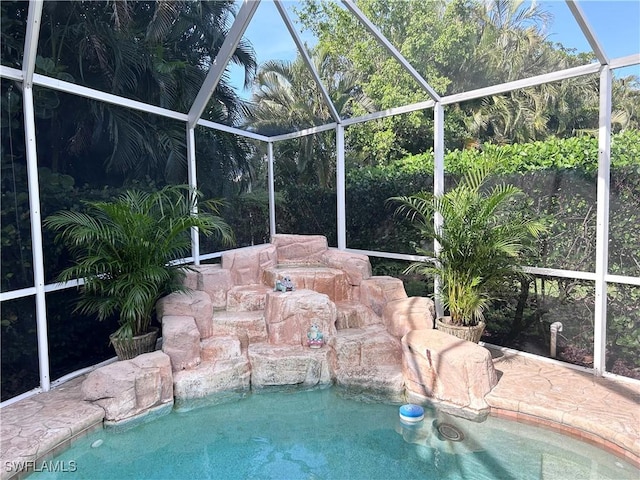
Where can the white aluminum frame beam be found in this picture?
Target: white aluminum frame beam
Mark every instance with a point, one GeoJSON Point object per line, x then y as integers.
{"type": "Point", "coordinates": [627, 61]}
{"type": "Point", "coordinates": [219, 64]}
{"type": "Point", "coordinates": [394, 256]}
{"type": "Point", "coordinates": [272, 192]}
{"type": "Point", "coordinates": [34, 18]}
{"type": "Point", "coordinates": [307, 60]}
{"type": "Point", "coordinates": [393, 51]}
{"type": "Point", "coordinates": [390, 112]}
{"type": "Point", "coordinates": [602, 223]}
{"type": "Point", "coordinates": [573, 72]}
{"type": "Point", "coordinates": [622, 279]}
{"type": "Point", "coordinates": [341, 200]}
{"type": "Point", "coordinates": [193, 183]}
{"type": "Point", "coordinates": [303, 133]}
{"type": "Point", "coordinates": [11, 73]}
{"type": "Point", "coordinates": [236, 131]}
{"type": "Point", "coordinates": [28, 67]}
{"type": "Point", "coordinates": [81, 91]}
{"type": "Point", "coordinates": [438, 187]}
{"type": "Point", "coordinates": [590, 68]}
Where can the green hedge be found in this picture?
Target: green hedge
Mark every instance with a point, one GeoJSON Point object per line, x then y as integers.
{"type": "Point", "coordinates": [579, 152]}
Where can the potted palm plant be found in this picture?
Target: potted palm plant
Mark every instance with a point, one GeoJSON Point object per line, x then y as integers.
{"type": "Point", "coordinates": [481, 242]}
{"type": "Point", "coordinates": [125, 252]}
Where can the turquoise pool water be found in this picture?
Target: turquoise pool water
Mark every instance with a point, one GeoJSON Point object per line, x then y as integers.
{"type": "Point", "coordinates": [320, 434]}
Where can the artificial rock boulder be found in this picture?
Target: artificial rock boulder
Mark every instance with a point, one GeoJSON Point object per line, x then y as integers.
{"type": "Point", "coordinates": [211, 378]}
{"type": "Point", "coordinates": [246, 265]}
{"type": "Point", "coordinates": [369, 346]}
{"type": "Point", "coordinates": [299, 249]}
{"type": "Point", "coordinates": [357, 267]}
{"type": "Point", "coordinates": [290, 314]}
{"type": "Point", "coordinates": [277, 365]}
{"type": "Point", "coordinates": [215, 281]}
{"type": "Point", "coordinates": [181, 341]}
{"type": "Point", "coordinates": [375, 292]}
{"type": "Point", "coordinates": [368, 362]}
{"type": "Point", "coordinates": [330, 281]}
{"type": "Point", "coordinates": [352, 314]}
{"type": "Point", "coordinates": [237, 331]}
{"type": "Point", "coordinates": [455, 373]}
{"type": "Point", "coordinates": [247, 298]}
{"type": "Point", "coordinates": [406, 314]}
{"type": "Point", "coordinates": [194, 304]}
{"type": "Point", "coordinates": [248, 327]}
{"type": "Point", "coordinates": [129, 389]}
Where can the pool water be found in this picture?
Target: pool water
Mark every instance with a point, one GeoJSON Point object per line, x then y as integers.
{"type": "Point", "coordinates": [321, 434]}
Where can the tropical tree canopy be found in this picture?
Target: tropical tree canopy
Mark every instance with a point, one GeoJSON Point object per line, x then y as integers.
{"type": "Point", "coordinates": [156, 52]}
{"type": "Point", "coordinates": [461, 45]}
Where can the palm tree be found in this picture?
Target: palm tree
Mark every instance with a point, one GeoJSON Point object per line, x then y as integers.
{"type": "Point", "coordinates": [481, 242]}
{"type": "Point", "coordinates": [512, 45]}
{"type": "Point", "coordinates": [286, 99]}
{"type": "Point", "coordinates": [125, 250]}
{"type": "Point", "coordinates": [156, 52]}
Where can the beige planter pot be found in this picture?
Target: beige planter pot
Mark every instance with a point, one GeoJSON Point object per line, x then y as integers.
{"type": "Point", "coordinates": [471, 334]}
{"type": "Point", "coordinates": [128, 348]}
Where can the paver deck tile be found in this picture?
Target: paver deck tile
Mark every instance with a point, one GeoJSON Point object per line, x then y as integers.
{"type": "Point", "coordinates": [602, 410]}
{"type": "Point", "coordinates": [34, 427]}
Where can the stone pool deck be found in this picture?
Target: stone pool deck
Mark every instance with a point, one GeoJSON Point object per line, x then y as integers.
{"type": "Point", "coordinates": [601, 411]}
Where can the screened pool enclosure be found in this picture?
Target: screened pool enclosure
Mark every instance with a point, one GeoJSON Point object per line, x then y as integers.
{"type": "Point", "coordinates": [305, 117]}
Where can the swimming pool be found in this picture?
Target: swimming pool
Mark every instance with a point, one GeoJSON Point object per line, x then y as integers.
{"type": "Point", "coordinates": [321, 434]}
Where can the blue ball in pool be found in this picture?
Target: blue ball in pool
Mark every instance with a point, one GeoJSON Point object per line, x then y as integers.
{"type": "Point", "coordinates": [411, 413]}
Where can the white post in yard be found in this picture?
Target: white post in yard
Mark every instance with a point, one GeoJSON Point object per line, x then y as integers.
{"type": "Point", "coordinates": [602, 225]}
{"type": "Point", "coordinates": [272, 193]}
{"type": "Point", "coordinates": [340, 189]}
{"type": "Point", "coordinates": [438, 186]}
{"type": "Point", "coordinates": [193, 183]}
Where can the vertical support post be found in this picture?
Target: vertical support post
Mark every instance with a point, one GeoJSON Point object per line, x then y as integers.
{"type": "Point", "coordinates": [28, 67]}
{"type": "Point", "coordinates": [438, 185]}
{"type": "Point", "coordinates": [36, 236]}
{"type": "Point", "coordinates": [340, 189]}
{"type": "Point", "coordinates": [193, 183]}
{"type": "Point", "coordinates": [272, 192]}
{"type": "Point", "coordinates": [602, 226]}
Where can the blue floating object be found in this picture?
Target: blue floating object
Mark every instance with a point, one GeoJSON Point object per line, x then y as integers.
{"type": "Point", "coordinates": [411, 413]}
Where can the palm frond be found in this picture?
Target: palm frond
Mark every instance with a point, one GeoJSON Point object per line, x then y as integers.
{"type": "Point", "coordinates": [481, 239]}
{"type": "Point", "coordinates": [124, 249]}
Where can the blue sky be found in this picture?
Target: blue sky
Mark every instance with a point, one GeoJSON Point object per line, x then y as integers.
{"type": "Point", "coordinates": [615, 22]}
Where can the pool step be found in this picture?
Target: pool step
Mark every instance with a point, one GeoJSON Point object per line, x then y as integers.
{"type": "Point", "coordinates": [289, 365]}
{"type": "Point", "coordinates": [247, 298]}
{"type": "Point", "coordinates": [248, 327]}
{"type": "Point", "coordinates": [365, 347]}
{"type": "Point", "coordinates": [378, 382]}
